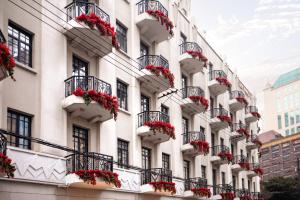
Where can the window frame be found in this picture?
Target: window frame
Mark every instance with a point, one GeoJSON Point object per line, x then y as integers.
{"type": "Point", "coordinates": [166, 161]}
{"type": "Point", "coordinates": [85, 139]}
{"type": "Point", "coordinates": [203, 171]}
{"type": "Point", "coordinates": [148, 156]}
{"type": "Point", "coordinates": [123, 34]}
{"type": "Point", "coordinates": [120, 152]}
{"type": "Point", "coordinates": [123, 92]}
{"type": "Point", "coordinates": [186, 169]}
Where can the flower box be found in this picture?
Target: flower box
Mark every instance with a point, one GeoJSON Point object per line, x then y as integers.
{"type": "Point", "coordinates": [223, 81]}
{"type": "Point", "coordinates": [160, 126]}
{"type": "Point", "coordinates": [161, 71]}
{"type": "Point", "coordinates": [160, 16]}
{"type": "Point", "coordinates": [227, 196]}
{"type": "Point", "coordinates": [201, 192]}
{"type": "Point", "coordinates": [198, 55]}
{"type": "Point", "coordinates": [259, 171]}
{"type": "Point", "coordinates": [201, 146]}
{"type": "Point", "coordinates": [245, 165]}
{"type": "Point", "coordinates": [164, 186]}
{"type": "Point", "coordinates": [224, 118]}
{"type": "Point", "coordinates": [225, 156]}
{"type": "Point", "coordinates": [200, 100]}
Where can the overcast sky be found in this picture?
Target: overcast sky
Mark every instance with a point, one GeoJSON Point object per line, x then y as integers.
{"type": "Point", "coordinates": [260, 39]}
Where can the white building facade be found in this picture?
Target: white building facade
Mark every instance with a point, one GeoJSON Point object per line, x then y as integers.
{"type": "Point", "coordinates": [56, 53]}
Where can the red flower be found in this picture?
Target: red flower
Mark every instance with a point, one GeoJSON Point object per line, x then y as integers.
{"type": "Point", "coordinates": [224, 118]}
{"type": "Point", "coordinates": [245, 165]}
{"type": "Point", "coordinates": [223, 81]}
{"type": "Point", "coordinates": [245, 197]}
{"type": "Point", "coordinates": [6, 167]}
{"type": "Point", "coordinates": [161, 126]}
{"type": "Point", "coordinates": [104, 28]}
{"type": "Point", "coordinates": [165, 186]}
{"type": "Point", "coordinates": [200, 99]}
{"type": "Point", "coordinates": [201, 192]}
{"type": "Point", "coordinates": [7, 60]}
{"type": "Point", "coordinates": [257, 142]}
{"type": "Point", "coordinates": [199, 55]}
{"type": "Point", "coordinates": [242, 100]}
{"type": "Point", "coordinates": [243, 131]}
{"type": "Point", "coordinates": [259, 171]}
{"type": "Point", "coordinates": [256, 114]}
{"type": "Point", "coordinates": [226, 155]}
{"type": "Point", "coordinates": [160, 16]}
{"type": "Point", "coordinates": [161, 70]}
{"type": "Point", "coordinates": [227, 196]}
{"type": "Point", "coordinates": [202, 146]}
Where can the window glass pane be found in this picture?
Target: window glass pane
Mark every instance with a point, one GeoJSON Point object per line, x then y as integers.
{"type": "Point", "coordinates": [123, 154]}
{"type": "Point", "coordinates": [122, 36]}
{"type": "Point", "coordinates": [122, 95]}
{"type": "Point", "coordinates": [279, 122]}
{"type": "Point", "coordinates": [286, 118]}
{"type": "Point", "coordinates": [165, 161]}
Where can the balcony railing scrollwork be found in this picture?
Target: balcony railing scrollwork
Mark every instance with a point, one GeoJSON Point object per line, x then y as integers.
{"type": "Point", "coordinates": [237, 126]}
{"type": "Point", "coordinates": [155, 60]}
{"type": "Point", "coordinates": [217, 74]}
{"type": "Point", "coordinates": [215, 112]}
{"type": "Point", "coordinates": [236, 94]}
{"type": "Point", "coordinates": [190, 91]}
{"type": "Point", "coordinates": [3, 144]}
{"type": "Point", "coordinates": [239, 159]}
{"type": "Point", "coordinates": [195, 183]}
{"type": "Point", "coordinates": [156, 175]}
{"type": "Point", "coordinates": [189, 46]}
{"type": "Point", "coordinates": [152, 116]}
{"type": "Point", "coordinates": [251, 109]}
{"type": "Point", "coordinates": [219, 149]}
{"type": "Point", "coordinates": [145, 5]}
{"type": "Point", "coordinates": [193, 136]}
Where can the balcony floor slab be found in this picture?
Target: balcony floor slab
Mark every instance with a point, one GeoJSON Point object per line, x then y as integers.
{"type": "Point", "coordinates": [150, 136]}
{"type": "Point", "coordinates": [216, 88]}
{"type": "Point", "coordinates": [189, 64]}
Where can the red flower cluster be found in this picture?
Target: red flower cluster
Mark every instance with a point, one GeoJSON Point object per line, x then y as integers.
{"type": "Point", "coordinates": [201, 146]}
{"type": "Point", "coordinates": [104, 28]}
{"type": "Point", "coordinates": [243, 131]}
{"type": "Point", "coordinates": [89, 176]}
{"type": "Point", "coordinates": [225, 118]}
{"type": "Point", "coordinates": [227, 196]}
{"type": "Point", "coordinates": [199, 55]}
{"type": "Point", "coordinates": [223, 81]}
{"type": "Point", "coordinates": [257, 142]}
{"type": "Point", "coordinates": [105, 100]}
{"type": "Point", "coordinates": [242, 100]}
{"type": "Point", "coordinates": [200, 99]}
{"type": "Point", "coordinates": [7, 60]}
{"type": "Point", "coordinates": [201, 192]}
{"type": "Point", "coordinates": [259, 198]}
{"type": "Point", "coordinates": [165, 186]}
{"type": "Point", "coordinates": [256, 114]}
{"type": "Point", "coordinates": [157, 70]}
{"type": "Point", "coordinates": [160, 16]}
{"type": "Point", "coordinates": [245, 165]}
{"type": "Point", "coordinates": [6, 167]}
{"type": "Point", "coordinates": [161, 126]}
{"type": "Point", "coordinates": [259, 171]}
{"type": "Point", "coordinates": [225, 155]}
{"type": "Point", "coordinates": [245, 197]}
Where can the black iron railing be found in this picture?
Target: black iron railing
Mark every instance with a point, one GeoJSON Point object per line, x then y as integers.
{"type": "Point", "coordinates": [193, 136]}
{"type": "Point", "coordinates": [215, 112]}
{"type": "Point", "coordinates": [239, 159]}
{"type": "Point", "coordinates": [156, 175]}
{"type": "Point", "coordinates": [189, 46]}
{"type": "Point", "coordinates": [256, 195]}
{"type": "Point", "coordinates": [151, 116]}
{"type": "Point", "coordinates": [86, 83]}
{"type": "Point", "coordinates": [192, 91]}
{"type": "Point", "coordinates": [89, 161]}
{"type": "Point", "coordinates": [237, 126]}
{"type": "Point", "coordinates": [222, 188]}
{"type": "Point", "coordinates": [217, 74]}
{"type": "Point", "coordinates": [145, 5]}
{"type": "Point", "coordinates": [242, 193]}
{"type": "Point", "coordinates": [236, 94]}
{"type": "Point", "coordinates": [3, 144]}
{"type": "Point", "coordinates": [154, 60]}
{"type": "Point", "coordinates": [196, 183]}
{"type": "Point", "coordinates": [219, 149]}
{"type": "Point", "coordinates": [77, 8]}
{"type": "Point", "coordinates": [251, 109]}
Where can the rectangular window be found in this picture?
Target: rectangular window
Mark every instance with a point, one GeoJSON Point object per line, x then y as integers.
{"type": "Point", "coordinates": [123, 153]}
{"type": "Point", "coordinates": [144, 49]}
{"type": "Point", "coordinates": [279, 123]}
{"type": "Point", "coordinates": [182, 38]}
{"type": "Point", "coordinates": [80, 138]}
{"type": "Point", "coordinates": [186, 169]}
{"type": "Point", "coordinates": [223, 178]}
{"type": "Point", "coordinates": [20, 124]}
{"type": "Point", "coordinates": [297, 118]}
{"type": "Point", "coordinates": [292, 120]}
{"type": "Point", "coordinates": [164, 109]}
{"type": "Point", "coordinates": [145, 103]}
{"type": "Point", "coordinates": [185, 126]}
{"type": "Point", "coordinates": [292, 130]}
{"type": "Point", "coordinates": [286, 119]}
{"type": "Point", "coordinates": [203, 171]}
{"type": "Point", "coordinates": [122, 36]}
{"type": "Point", "coordinates": [234, 182]}
{"type": "Point", "coordinates": [146, 158]}
{"type": "Point", "coordinates": [298, 129]}
{"type": "Point", "coordinates": [165, 161]}
{"type": "Point", "coordinates": [184, 81]}
{"type": "Point", "coordinates": [122, 95]}
{"type": "Point", "coordinates": [243, 183]}
{"type": "Point", "coordinates": [80, 68]}
{"type": "Point", "coordinates": [20, 44]}
{"type": "Point", "coordinates": [2, 39]}
{"type": "Point", "coordinates": [287, 132]}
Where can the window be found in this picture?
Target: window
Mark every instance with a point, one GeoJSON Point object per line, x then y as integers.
{"type": "Point", "coordinates": [186, 169]}
{"type": "Point", "coordinates": [292, 119]}
{"type": "Point", "coordinates": [20, 124]}
{"type": "Point", "coordinates": [20, 44]}
{"type": "Point", "coordinates": [234, 182]}
{"type": "Point", "coordinates": [292, 130]}
{"type": "Point", "coordinates": [223, 178]}
{"type": "Point", "coordinates": [297, 118]}
{"type": "Point", "coordinates": [164, 109]}
{"type": "Point", "coordinates": [298, 129]}
{"type": "Point", "coordinates": [80, 139]}
{"type": "Point", "coordinates": [122, 36]}
{"type": "Point", "coordinates": [287, 132]}
{"type": "Point", "coordinates": [279, 124]}
{"type": "Point", "coordinates": [182, 38]}
{"type": "Point", "coordinates": [80, 67]}
{"type": "Point", "coordinates": [122, 95]}
{"type": "Point", "coordinates": [2, 39]}
{"type": "Point", "coordinates": [286, 119]}
{"type": "Point", "coordinates": [123, 153]}
{"type": "Point", "coordinates": [165, 161]}
{"type": "Point", "coordinates": [146, 158]}
{"type": "Point", "coordinates": [184, 81]}
{"type": "Point", "coordinates": [144, 49]}
{"type": "Point", "coordinates": [214, 180]}
{"type": "Point", "coordinates": [145, 103]}
{"type": "Point", "coordinates": [249, 185]}
{"type": "Point", "coordinates": [185, 125]}
{"type": "Point", "coordinates": [203, 171]}
{"type": "Point", "coordinates": [243, 183]}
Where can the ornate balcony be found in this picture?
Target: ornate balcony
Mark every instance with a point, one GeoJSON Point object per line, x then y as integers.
{"type": "Point", "coordinates": [223, 191]}
{"type": "Point", "coordinates": [220, 155]}
{"type": "Point", "coordinates": [193, 100]}
{"type": "Point", "coordinates": [255, 170]}
{"type": "Point", "coordinates": [80, 167]}
{"type": "Point", "coordinates": [238, 132]}
{"type": "Point", "coordinates": [191, 57]}
{"type": "Point", "coordinates": [257, 196]}
{"type": "Point", "coordinates": [252, 114]}
{"type": "Point", "coordinates": [151, 27]}
{"type": "Point", "coordinates": [243, 194]}
{"type": "Point", "coordinates": [196, 188]}
{"type": "Point", "coordinates": [253, 142]}
{"type": "Point", "coordinates": [77, 106]}
{"type": "Point", "coordinates": [88, 37]}
{"type": "Point", "coordinates": [3, 144]}
{"type": "Point", "coordinates": [154, 73]}
{"type": "Point", "coordinates": [194, 143]}
{"type": "Point", "coordinates": [219, 119]}
{"type": "Point", "coordinates": [240, 163]}
{"type": "Point", "coordinates": [218, 83]}
{"type": "Point", "coordinates": [151, 178]}
{"type": "Point", "coordinates": [237, 100]}
{"type": "Point", "coordinates": [154, 127]}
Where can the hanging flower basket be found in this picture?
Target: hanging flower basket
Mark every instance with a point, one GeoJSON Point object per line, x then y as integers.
{"type": "Point", "coordinates": [226, 156]}
{"type": "Point", "coordinates": [160, 126]}
{"type": "Point", "coordinates": [160, 16]}
{"type": "Point", "coordinates": [243, 131]}
{"type": "Point", "coordinates": [256, 114]}
{"type": "Point", "coordinates": [89, 176]}
{"type": "Point", "coordinates": [161, 71]}
{"type": "Point", "coordinates": [201, 146]}
{"type": "Point", "coordinates": [105, 100]}
{"type": "Point", "coordinates": [6, 167]}
{"type": "Point", "coordinates": [227, 196]}
{"type": "Point", "coordinates": [7, 62]}
{"type": "Point", "coordinates": [224, 118]}
{"type": "Point", "coordinates": [245, 165]}
{"type": "Point", "coordinates": [223, 81]}
{"type": "Point", "coordinates": [198, 55]}
{"type": "Point", "coordinates": [242, 100]}
{"type": "Point", "coordinates": [164, 186]}
{"type": "Point", "coordinates": [200, 100]}
{"type": "Point", "coordinates": [259, 171]}
{"type": "Point", "coordinates": [201, 192]}
{"type": "Point", "coordinates": [105, 29]}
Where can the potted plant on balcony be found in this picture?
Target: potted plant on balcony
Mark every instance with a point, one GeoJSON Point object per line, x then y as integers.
{"type": "Point", "coordinates": [6, 168]}
{"type": "Point", "coordinates": [164, 19]}
{"type": "Point", "coordinates": [243, 131]}
{"type": "Point", "coordinates": [224, 118]}
{"type": "Point", "coordinates": [200, 100]}
{"type": "Point", "coordinates": [259, 171]}
{"type": "Point", "coordinates": [246, 197]}
{"type": "Point", "coordinates": [201, 192]}
{"type": "Point", "coordinates": [201, 146]}
{"type": "Point", "coordinates": [242, 100]}
{"type": "Point", "coordinates": [223, 81]}
{"type": "Point", "coordinates": [164, 186]}
{"type": "Point", "coordinates": [160, 126]}
{"type": "Point", "coordinates": [244, 165]}
{"type": "Point", "coordinates": [198, 55]}
{"type": "Point", "coordinates": [256, 114]}
{"type": "Point", "coordinates": [227, 195]}
{"type": "Point", "coordinates": [7, 62]}
{"type": "Point", "coordinates": [161, 71]}
{"type": "Point", "coordinates": [225, 156]}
